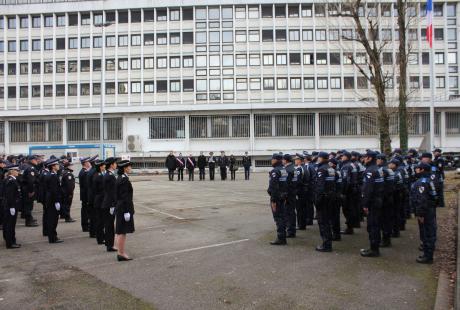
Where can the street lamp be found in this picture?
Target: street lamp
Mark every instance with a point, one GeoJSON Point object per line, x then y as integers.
{"type": "Point", "coordinates": [102, 90]}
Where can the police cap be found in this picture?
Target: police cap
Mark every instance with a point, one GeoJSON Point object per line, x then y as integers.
{"type": "Point", "coordinates": [287, 157]}
{"type": "Point", "coordinates": [424, 166]}
{"type": "Point", "coordinates": [110, 161]}
{"type": "Point", "coordinates": [427, 155]}
{"type": "Point", "coordinates": [277, 156]}
{"type": "Point", "coordinates": [323, 155]}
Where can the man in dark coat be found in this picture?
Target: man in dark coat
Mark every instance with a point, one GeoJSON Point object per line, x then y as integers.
{"type": "Point", "coordinates": [68, 187]}
{"type": "Point", "coordinates": [247, 165]}
{"type": "Point", "coordinates": [29, 189]}
{"type": "Point", "coordinates": [2, 188]}
{"type": "Point", "coordinates": [180, 164]}
{"type": "Point", "coordinates": [211, 165]}
{"type": "Point", "coordinates": [90, 200]}
{"type": "Point", "coordinates": [190, 164]}
{"type": "Point", "coordinates": [82, 177]}
{"type": "Point", "coordinates": [202, 165]}
{"type": "Point", "coordinates": [109, 202]}
{"type": "Point", "coordinates": [223, 163]}
{"type": "Point", "coordinates": [170, 163]}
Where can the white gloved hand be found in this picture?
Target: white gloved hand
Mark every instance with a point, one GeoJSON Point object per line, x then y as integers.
{"type": "Point", "coordinates": [58, 206]}
{"type": "Point", "coordinates": [127, 216]}
{"type": "Point", "coordinates": [12, 211]}
{"type": "Point", "coordinates": [112, 211]}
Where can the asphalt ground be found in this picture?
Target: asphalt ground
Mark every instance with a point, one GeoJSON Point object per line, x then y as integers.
{"type": "Point", "coordinates": [204, 245]}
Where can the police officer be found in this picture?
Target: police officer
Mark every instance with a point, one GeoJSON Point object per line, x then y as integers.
{"type": "Point", "coordinates": [42, 197]}
{"type": "Point", "coordinates": [388, 202]}
{"type": "Point", "coordinates": [247, 163]}
{"type": "Point", "coordinates": [277, 189]}
{"type": "Point", "coordinates": [223, 163]}
{"type": "Point", "coordinates": [292, 179]}
{"type": "Point", "coordinates": [309, 179]}
{"type": "Point", "coordinates": [98, 184]}
{"type": "Point", "coordinates": [68, 187]}
{"type": "Point", "coordinates": [372, 200]}
{"type": "Point", "coordinates": [337, 199]}
{"type": "Point", "coordinates": [109, 202]}
{"type": "Point", "coordinates": [53, 200]}
{"type": "Point", "coordinates": [301, 190]}
{"type": "Point", "coordinates": [350, 184]}
{"type": "Point", "coordinates": [90, 200]}
{"type": "Point", "coordinates": [325, 186]}
{"type": "Point", "coordinates": [403, 193]}
{"type": "Point", "coordinates": [212, 165]}
{"type": "Point", "coordinates": [29, 189]}
{"type": "Point", "coordinates": [201, 163]}
{"type": "Point", "coordinates": [3, 172]}
{"type": "Point", "coordinates": [399, 188]}
{"type": "Point", "coordinates": [82, 177]}
{"type": "Point", "coordinates": [423, 195]}
{"type": "Point", "coordinates": [440, 163]}
{"type": "Point", "coordinates": [13, 201]}
{"type": "Point", "coordinates": [357, 160]}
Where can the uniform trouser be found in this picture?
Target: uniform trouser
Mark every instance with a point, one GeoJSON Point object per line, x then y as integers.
{"type": "Point", "coordinates": [92, 214]}
{"type": "Point", "coordinates": [396, 220]}
{"type": "Point", "coordinates": [335, 214]}
{"type": "Point", "coordinates": [404, 200]}
{"type": "Point", "coordinates": [99, 225]}
{"type": "Point", "coordinates": [201, 173]}
{"type": "Point", "coordinates": [428, 233]}
{"type": "Point", "coordinates": [290, 214]}
{"type": "Point", "coordinates": [52, 218]}
{"type": "Point", "coordinates": [212, 172]}
{"type": "Point", "coordinates": [28, 205]}
{"type": "Point", "coordinates": [300, 207]}
{"type": "Point", "coordinates": [191, 174]}
{"type": "Point", "coordinates": [407, 205]}
{"type": "Point", "coordinates": [45, 221]}
{"type": "Point", "coordinates": [109, 230]}
{"type": "Point", "coordinates": [323, 213]}
{"type": "Point", "coordinates": [1, 210]}
{"type": "Point", "coordinates": [309, 211]}
{"type": "Point", "coordinates": [233, 174]}
{"type": "Point", "coordinates": [9, 227]}
{"type": "Point", "coordinates": [84, 215]}
{"type": "Point", "coordinates": [171, 174]}
{"type": "Point", "coordinates": [180, 174]}
{"type": "Point", "coordinates": [246, 173]}
{"type": "Point", "coordinates": [387, 216]}
{"type": "Point", "coordinates": [65, 209]}
{"type": "Point", "coordinates": [440, 192]}
{"type": "Point", "coordinates": [223, 173]}
{"type": "Point", "coordinates": [278, 211]}
{"type": "Point", "coordinates": [350, 209]}
{"type": "Point", "coordinates": [373, 223]}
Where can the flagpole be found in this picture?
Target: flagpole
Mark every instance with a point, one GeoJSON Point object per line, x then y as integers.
{"type": "Point", "coordinates": [433, 90]}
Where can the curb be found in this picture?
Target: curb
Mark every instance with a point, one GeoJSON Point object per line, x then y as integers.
{"type": "Point", "coordinates": [442, 298]}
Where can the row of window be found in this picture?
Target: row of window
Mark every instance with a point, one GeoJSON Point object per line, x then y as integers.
{"type": "Point", "coordinates": [215, 13]}
{"type": "Point", "coordinates": [225, 60]}
{"type": "Point", "coordinates": [211, 37]}
{"type": "Point", "coordinates": [213, 85]}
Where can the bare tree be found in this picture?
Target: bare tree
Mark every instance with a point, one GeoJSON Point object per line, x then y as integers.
{"type": "Point", "coordinates": [373, 70]}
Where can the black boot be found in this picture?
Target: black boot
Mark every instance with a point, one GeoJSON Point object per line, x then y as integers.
{"type": "Point", "coordinates": [323, 248]}
{"type": "Point", "coordinates": [279, 242]}
{"type": "Point", "coordinates": [386, 243]}
{"type": "Point", "coordinates": [395, 234]}
{"type": "Point", "coordinates": [370, 252]}
{"type": "Point", "coordinates": [336, 237]}
{"type": "Point", "coordinates": [424, 260]}
{"type": "Point", "coordinates": [348, 231]}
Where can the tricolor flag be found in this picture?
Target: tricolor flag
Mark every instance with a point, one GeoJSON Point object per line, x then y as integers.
{"type": "Point", "coordinates": [429, 27]}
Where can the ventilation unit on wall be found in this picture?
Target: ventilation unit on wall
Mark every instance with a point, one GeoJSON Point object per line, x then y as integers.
{"type": "Point", "coordinates": [133, 143]}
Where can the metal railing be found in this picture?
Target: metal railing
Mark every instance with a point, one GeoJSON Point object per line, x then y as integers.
{"type": "Point", "coordinates": [19, 2]}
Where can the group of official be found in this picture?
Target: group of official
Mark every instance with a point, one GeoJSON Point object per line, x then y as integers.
{"type": "Point", "coordinates": [223, 162]}
{"type": "Point", "coordinates": [106, 196]}
{"type": "Point", "coordinates": [386, 190]}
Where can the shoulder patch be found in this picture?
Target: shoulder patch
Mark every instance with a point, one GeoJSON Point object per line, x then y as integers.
{"type": "Point", "coordinates": [32, 173]}
{"type": "Point", "coordinates": [70, 177]}
{"type": "Point", "coordinates": [421, 189]}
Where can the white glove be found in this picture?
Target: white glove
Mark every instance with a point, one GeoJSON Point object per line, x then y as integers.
{"type": "Point", "coordinates": [12, 211]}
{"type": "Point", "coordinates": [112, 211]}
{"type": "Point", "coordinates": [127, 216]}
{"type": "Point", "coordinates": [58, 206]}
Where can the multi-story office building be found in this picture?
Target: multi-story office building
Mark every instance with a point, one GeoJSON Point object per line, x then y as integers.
{"type": "Point", "coordinates": [257, 76]}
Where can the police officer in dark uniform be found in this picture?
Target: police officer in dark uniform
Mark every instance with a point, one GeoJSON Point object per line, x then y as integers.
{"type": "Point", "coordinates": [3, 172]}
{"type": "Point", "coordinates": [277, 189]}
{"type": "Point", "coordinates": [68, 187]}
{"type": "Point", "coordinates": [310, 174]}
{"type": "Point", "coordinates": [29, 189]}
{"type": "Point", "coordinates": [350, 184]}
{"type": "Point", "coordinates": [291, 195]}
{"type": "Point", "coordinates": [356, 159]}
{"type": "Point", "coordinates": [53, 200]}
{"type": "Point", "coordinates": [372, 194]}
{"type": "Point", "coordinates": [201, 163]}
{"type": "Point", "coordinates": [247, 163]}
{"type": "Point", "coordinates": [42, 196]}
{"type": "Point", "coordinates": [301, 190]}
{"type": "Point", "coordinates": [423, 195]}
{"type": "Point", "coordinates": [388, 202]}
{"type": "Point", "coordinates": [337, 199]}
{"type": "Point", "coordinates": [440, 163]}
{"type": "Point", "coordinates": [403, 192]}
{"type": "Point", "coordinates": [109, 202]}
{"type": "Point", "coordinates": [324, 189]}
{"type": "Point", "coordinates": [82, 177]}
{"type": "Point", "coordinates": [98, 184]}
{"type": "Point", "coordinates": [399, 188]}
{"type": "Point", "coordinates": [223, 163]}
{"type": "Point", "coordinates": [90, 200]}
{"type": "Point", "coordinates": [13, 201]}
{"type": "Point", "coordinates": [212, 165]}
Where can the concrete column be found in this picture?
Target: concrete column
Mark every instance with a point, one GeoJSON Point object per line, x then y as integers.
{"type": "Point", "coordinates": [64, 131]}
{"type": "Point", "coordinates": [442, 128]}
{"type": "Point", "coordinates": [7, 137]}
{"type": "Point", "coordinates": [251, 140]}
{"type": "Point", "coordinates": [317, 143]}
{"type": "Point", "coordinates": [187, 133]}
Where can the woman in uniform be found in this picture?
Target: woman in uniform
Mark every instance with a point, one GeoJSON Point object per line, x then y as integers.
{"type": "Point", "coordinates": [124, 208]}
{"type": "Point", "coordinates": [98, 188]}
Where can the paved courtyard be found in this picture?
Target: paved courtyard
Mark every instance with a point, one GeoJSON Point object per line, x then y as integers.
{"type": "Point", "coordinates": [204, 245]}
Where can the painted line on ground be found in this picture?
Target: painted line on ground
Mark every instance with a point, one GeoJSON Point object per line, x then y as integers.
{"type": "Point", "coordinates": [161, 212]}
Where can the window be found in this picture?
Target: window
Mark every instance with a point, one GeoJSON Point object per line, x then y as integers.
{"type": "Point", "coordinates": [253, 11]}
{"type": "Point", "coordinates": [123, 40]}
{"type": "Point", "coordinates": [307, 35]}
{"type": "Point", "coordinates": [149, 63]}
{"type": "Point", "coordinates": [294, 58]}
{"type": "Point", "coordinates": [85, 19]}
{"type": "Point", "coordinates": [227, 36]}
{"type": "Point", "coordinates": [187, 62]}
{"type": "Point", "coordinates": [60, 20]}
{"type": "Point", "coordinates": [334, 58]}
{"type": "Point", "coordinates": [451, 9]}
{"type": "Point", "coordinates": [387, 58]}
{"type": "Point", "coordinates": [162, 62]}
{"type": "Point", "coordinates": [48, 44]}
{"type": "Point", "coordinates": [452, 58]}
{"type": "Point", "coordinates": [335, 83]}
{"type": "Point", "coordinates": [48, 90]}
{"type": "Point", "coordinates": [320, 10]}
{"type": "Point", "coordinates": [73, 43]}
{"type": "Point", "coordinates": [35, 91]}
{"type": "Point", "coordinates": [36, 68]}
{"type": "Point", "coordinates": [240, 12]}
{"type": "Point", "coordinates": [227, 60]}
{"type": "Point", "coordinates": [11, 22]}
{"type": "Point", "coordinates": [307, 10]}
{"type": "Point", "coordinates": [348, 82]}
{"type": "Point", "coordinates": [320, 35]}
{"type": "Point", "coordinates": [294, 35]}
{"type": "Point", "coordinates": [122, 17]}
{"type": "Point", "coordinates": [452, 34]}
{"type": "Point", "coordinates": [439, 34]}
{"type": "Point", "coordinates": [241, 84]}
{"type": "Point", "coordinates": [174, 38]}
{"type": "Point", "coordinates": [308, 59]}
{"type": "Point", "coordinates": [109, 88]}
{"type": "Point", "coordinates": [296, 83]}
{"type": "Point", "coordinates": [269, 84]}
{"type": "Point", "coordinates": [136, 40]}
{"type": "Point", "coordinates": [73, 66]}
{"type": "Point", "coordinates": [135, 63]}
{"type": "Point", "coordinates": [227, 12]}
{"type": "Point", "coordinates": [167, 127]}
{"type": "Point", "coordinates": [110, 41]}
{"type": "Point", "coordinates": [85, 66]}
{"type": "Point", "coordinates": [187, 85]}
{"type": "Point", "coordinates": [24, 22]}
{"type": "Point", "coordinates": [267, 35]}
{"type": "Point", "coordinates": [11, 46]}
{"type": "Point", "coordinates": [254, 60]}
{"type": "Point", "coordinates": [122, 64]}
{"type": "Point", "coordinates": [98, 19]}
{"type": "Point", "coordinates": [438, 9]}
{"type": "Point", "coordinates": [268, 59]}
{"type": "Point", "coordinates": [162, 86]}
{"type": "Point", "coordinates": [72, 90]}
{"type": "Point", "coordinates": [362, 82]}
{"type": "Point", "coordinates": [321, 83]}
{"type": "Point", "coordinates": [334, 35]}
{"type": "Point", "coordinates": [187, 13]}
{"type": "Point", "coordinates": [110, 64]}
{"type": "Point", "coordinates": [122, 88]}
{"type": "Point", "coordinates": [73, 19]}
{"type": "Point", "coordinates": [36, 22]}
{"type": "Point", "coordinates": [187, 37]}
{"type": "Point", "coordinates": [23, 92]}
{"type": "Point", "coordinates": [149, 87]}
{"type": "Point", "coordinates": [174, 86]}
{"type": "Point", "coordinates": [174, 62]}
{"type": "Point", "coordinates": [240, 36]}
{"type": "Point", "coordinates": [281, 59]}
{"type": "Point", "coordinates": [97, 42]}
{"type": "Point", "coordinates": [241, 60]}
{"type": "Point", "coordinates": [60, 90]}
{"type": "Point", "coordinates": [48, 67]}
{"type": "Point", "coordinates": [49, 21]}
{"type": "Point", "coordinates": [60, 66]}
{"type": "Point", "coordinates": [85, 89]}
{"type": "Point", "coordinates": [254, 83]}
{"type": "Point", "coordinates": [24, 45]}
{"type": "Point", "coordinates": [440, 82]}
{"type": "Point", "coordinates": [11, 92]}
{"type": "Point", "coordinates": [426, 58]}
{"type": "Point", "coordinates": [293, 11]}
{"type": "Point", "coordinates": [439, 58]}
{"type": "Point", "coordinates": [321, 58]}
{"type": "Point", "coordinates": [85, 42]}
{"type": "Point", "coordinates": [214, 37]}
{"type": "Point", "coordinates": [281, 83]}
{"type": "Point", "coordinates": [414, 82]}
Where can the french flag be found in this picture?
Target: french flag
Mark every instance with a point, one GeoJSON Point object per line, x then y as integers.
{"type": "Point", "coordinates": [429, 27]}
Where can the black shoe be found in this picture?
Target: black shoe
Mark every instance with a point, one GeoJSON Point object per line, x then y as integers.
{"type": "Point", "coordinates": [386, 243]}
{"type": "Point", "coordinates": [395, 234]}
{"type": "Point", "coordinates": [31, 224]}
{"type": "Point", "coordinates": [1, 227]}
{"type": "Point", "coordinates": [309, 222]}
{"type": "Point", "coordinates": [279, 242]}
{"type": "Point", "coordinates": [13, 246]}
{"type": "Point", "coordinates": [290, 236]}
{"type": "Point", "coordinates": [100, 242]}
{"type": "Point", "coordinates": [322, 248]}
{"type": "Point", "coordinates": [57, 241]}
{"type": "Point", "coordinates": [85, 230]}
{"type": "Point", "coordinates": [402, 227]}
{"type": "Point", "coordinates": [369, 253]}
{"type": "Point", "coordinates": [92, 236]}
{"type": "Point", "coordinates": [111, 250]}
{"type": "Point", "coordinates": [424, 260]}
{"type": "Point", "coordinates": [336, 238]}
{"type": "Point", "coordinates": [70, 220]}
{"type": "Point", "coordinates": [347, 231]}
{"type": "Point", "coordinates": [123, 259]}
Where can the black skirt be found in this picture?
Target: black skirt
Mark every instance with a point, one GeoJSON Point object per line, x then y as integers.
{"type": "Point", "coordinates": [121, 226]}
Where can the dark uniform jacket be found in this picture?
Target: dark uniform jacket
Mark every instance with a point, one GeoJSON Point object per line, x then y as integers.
{"type": "Point", "coordinates": [2, 187]}
{"type": "Point", "coordinates": [98, 188]}
{"type": "Point", "coordinates": [124, 195]}
{"type": "Point", "coordinates": [67, 186]}
{"type": "Point", "coordinates": [277, 186]}
{"type": "Point", "coordinates": [83, 188]}
{"type": "Point", "coordinates": [89, 185]}
{"type": "Point", "coordinates": [29, 182]}
{"type": "Point", "coordinates": [373, 187]}
{"type": "Point", "coordinates": [423, 195]}
{"type": "Point", "coordinates": [110, 190]}
{"type": "Point", "coordinates": [223, 161]}
{"type": "Point", "coordinates": [201, 161]}
{"type": "Point", "coordinates": [190, 163]}
{"type": "Point", "coordinates": [170, 162]}
{"type": "Point", "coordinates": [326, 181]}
{"type": "Point", "coordinates": [53, 189]}
{"type": "Point", "coordinates": [41, 197]}
{"type": "Point", "coordinates": [349, 172]}
{"type": "Point", "coordinates": [12, 194]}
{"type": "Point", "coordinates": [247, 161]}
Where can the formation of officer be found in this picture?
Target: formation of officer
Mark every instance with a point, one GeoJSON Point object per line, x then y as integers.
{"type": "Point", "coordinates": [223, 162]}
{"type": "Point", "coordinates": [384, 190]}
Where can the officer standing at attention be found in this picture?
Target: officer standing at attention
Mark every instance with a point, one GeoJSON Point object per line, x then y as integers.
{"type": "Point", "coordinates": [29, 189]}
{"type": "Point", "coordinates": [337, 198]}
{"type": "Point", "coordinates": [292, 179]}
{"type": "Point", "coordinates": [439, 162]}
{"type": "Point", "coordinates": [423, 196]}
{"type": "Point", "coordinates": [325, 186]}
{"type": "Point", "coordinates": [42, 197]}
{"type": "Point", "coordinates": [180, 164]}
{"type": "Point", "coordinates": [90, 191]}
{"type": "Point", "coordinates": [372, 193]}
{"type": "Point", "coordinates": [309, 180]}
{"type": "Point", "coordinates": [68, 187]}
{"type": "Point", "coordinates": [223, 163]}
{"type": "Point", "coordinates": [109, 203]}
{"type": "Point", "coordinates": [301, 190]}
{"type": "Point", "coordinates": [247, 163]}
{"type": "Point", "coordinates": [388, 201]}
{"type": "Point", "coordinates": [191, 163]}
{"type": "Point", "coordinates": [212, 166]}
{"type": "Point", "coordinates": [53, 200]}
{"type": "Point", "coordinates": [170, 163]}
{"type": "Point", "coordinates": [82, 177]}
{"type": "Point", "coordinates": [277, 189]}
{"type": "Point", "coordinates": [202, 166]}
{"type": "Point", "coordinates": [98, 184]}
{"type": "Point", "coordinates": [3, 172]}
{"type": "Point", "coordinates": [349, 172]}
{"type": "Point", "coordinates": [11, 207]}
